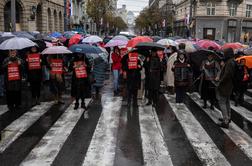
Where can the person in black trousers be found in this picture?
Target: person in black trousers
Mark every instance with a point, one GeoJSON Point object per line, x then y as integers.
{"type": "Point", "coordinates": [131, 65]}
{"type": "Point", "coordinates": [34, 71]}
{"type": "Point", "coordinates": [80, 81]}
{"type": "Point", "coordinates": [12, 67]}
{"type": "Point", "coordinates": [154, 80]}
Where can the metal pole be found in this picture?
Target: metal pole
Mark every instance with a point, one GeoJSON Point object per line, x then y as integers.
{"type": "Point", "coordinates": [13, 15]}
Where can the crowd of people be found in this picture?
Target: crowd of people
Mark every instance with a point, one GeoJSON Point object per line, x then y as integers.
{"type": "Point", "coordinates": [216, 82]}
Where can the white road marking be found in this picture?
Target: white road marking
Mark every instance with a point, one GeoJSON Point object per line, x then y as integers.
{"type": "Point", "coordinates": [48, 148]}
{"type": "Point", "coordinates": [248, 99]}
{"type": "Point", "coordinates": [207, 151]}
{"type": "Point", "coordinates": [246, 114]}
{"type": "Point", "coordinates": [249, 90]}
{"type": "Point", "coordinates": [237, 135]}
{"type": "Point", "coordinates": [155, 152]}
{"type": "Point", "coordinates": [102, 148]}
{"type": "Point", "coordinates": [19, 126]}
{"type": "Point", "coordinates": [3, 109]}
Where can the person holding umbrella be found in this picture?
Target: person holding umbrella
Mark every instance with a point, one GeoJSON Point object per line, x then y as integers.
{"type": "Point", "coordinates": [116, 67]}
{"type": "Point", "coordinates": [210, 69]}
{"type": "Point", "coordinates": [182, 75]}
{"type": "Point", "coordinates": [56, 67]}
{"type": "Point", "coordinates": [80, 82]}
{"type": "Point", "coordinates": [131, 65]}
{"type": "Point", "coordinates": [154, 77]}
{"type": "Point", "coordinates": [34, 70]}
{"type": "Point", "coordinates": [12, 66]}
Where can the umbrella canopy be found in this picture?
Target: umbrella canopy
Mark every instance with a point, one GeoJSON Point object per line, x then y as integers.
{"type": "Point", "coordinates": [208, 43]}
{"type": "Point", "coordinates": [24, 35]}
{"type": "Point", "coordinates": [16, 43]}
{"type": "Point", "coordinates": [41, 45]}
{"type": "Point", "coordinates": [232, 45]}
{"type": "Point", "coordinates": [247, 51]}
{"type": "Point", "coordinates": [190, 47]}
{"type": "Point", "coordinates": [248, 61]}
{"type": "Point", "coordinates": [113, 43]}
{"type": "Point", "coordinates": [181, 41]}
{"type": "Point", "coordinates": [92, 39]}
{"type": "Point", "coordinates": [120, 37]}
{"type": "Point", "coordinates": [56, 34]}
{"type": "Point", "coordinates": [139, 39]}
{"type": "Point", "coordinates": [197, 57]}
{"type": "Point", "coordinates": [2, 38]}
{"type": "Point", "coordinates": [167, 42]}
{"type": "Point", "coordinates": [85, 49]}
{"type": "Point", "coordinates": [149, 46]}
{"type": "Point", "coordinates": [156, 38]}
{"type": "Point", "coordinates": [74, 40]}
{"type": "Point", "coordinates": [69, 34]}
{"type": "Point", "coordinates": [56, 50]}
{"type": "Point", "coordinates": [7, 34]}
{"type": "Point", "coordinates": [107, 39]}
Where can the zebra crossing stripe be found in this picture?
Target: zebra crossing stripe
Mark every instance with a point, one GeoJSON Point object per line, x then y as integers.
{"type": "Point", "coordinates": [237, 135]}
{"type": "Point", "coordinates": [155, 151]}
{"type": "Point", "coordinates": [246, 114]}
{"type": "Point", "coordinates": [48, 148]}
{"type": "Point", "coordinates": [19, 126]}
{"type": "Point", "coordinates": [202, 144]}
{"type": "Point", "coordinates": [3, 109]}
{"type": "Point", "coordinates": [102, 148]}
{"type": "Point", "coordinates": [249, 90]}
{"type": "Point", "coordinates": [248, 99]}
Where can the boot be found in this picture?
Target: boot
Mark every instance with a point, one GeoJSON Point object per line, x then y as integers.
{"type": "Point", "coordinates": [224, 125]}
{"type": "Point", "coordinates": [76, 106]}
{"type": "Point", "coordinates": [37, 101]}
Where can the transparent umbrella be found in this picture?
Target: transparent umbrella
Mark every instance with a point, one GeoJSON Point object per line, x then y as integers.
{"type": "Point", "coordinates": [16, 43]}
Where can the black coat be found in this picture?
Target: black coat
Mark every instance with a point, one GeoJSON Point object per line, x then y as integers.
{"type": "Point", "coordinates": [133, 75]}
{"type": "Point", "coordinates": [80, 86]}
{"type": "Point", "coordinates": [12, 85]}
{"type": "Point", "coordinates": [155, 68]}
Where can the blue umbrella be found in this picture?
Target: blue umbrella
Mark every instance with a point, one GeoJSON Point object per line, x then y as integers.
{"type": "Point", "coordinates": [56, 35]}
{"type": "Point", "coordinates": [85, 49]}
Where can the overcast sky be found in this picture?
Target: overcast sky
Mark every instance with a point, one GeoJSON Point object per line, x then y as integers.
{"type": "Point", "coordinates": [134, 5]}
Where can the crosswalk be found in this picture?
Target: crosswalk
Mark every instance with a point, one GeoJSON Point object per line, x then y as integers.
{"type": "Point", "coordinates": [101, 149]}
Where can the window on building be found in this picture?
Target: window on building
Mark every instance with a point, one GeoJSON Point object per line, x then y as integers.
{"type": "Point", "coordinates": [233, 9]}
{"type": "Point", "coordinates": [210, 9]}
{"type": "Point", "coordinates": [248, 10]}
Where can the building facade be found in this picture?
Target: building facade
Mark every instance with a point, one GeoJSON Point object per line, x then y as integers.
{"type": "Point", "coordinates": [33, 15]}
{"type": "Point", "coordinates": [229, 20]}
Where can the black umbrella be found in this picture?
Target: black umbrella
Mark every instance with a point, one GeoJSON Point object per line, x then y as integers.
{"type": "Point", "coordinates": [41, 45]}
{"type": "Point", "coordinates": [149, 46]}
{"type": "Point", "coordinates": [196, 58]}
{"type": "Point", "coordinates": [140, 51]}
{"type": "Point", "coordinates": [24, 35]}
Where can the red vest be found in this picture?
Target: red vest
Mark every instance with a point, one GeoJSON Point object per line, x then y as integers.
{"type": "Point", "coordinates": [56, 66]}
{"type": "Point", "coordinates": [13, 72]}
{"type": "Point", "coordinates": [33, 61]}
{"type": "Point", "coordinates": [132, 62]}
{"type": "Point", "coordinates": [80, 69]}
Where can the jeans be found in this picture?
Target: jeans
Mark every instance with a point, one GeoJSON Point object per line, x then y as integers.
{"type": "Point", "coordinates": [1, 85]}
{"type": "Point", "coordinates": [224, 103]}
{"type": "Point", "coordinates": [116, 80]}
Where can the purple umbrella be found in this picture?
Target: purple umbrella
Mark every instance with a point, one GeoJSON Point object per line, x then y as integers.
{"type": "Point", "coordinates": [56, 50]}
{"type": "Point", "coordinates": [113, 43]}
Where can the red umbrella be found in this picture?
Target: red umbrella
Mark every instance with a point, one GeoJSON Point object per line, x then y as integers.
{"type": "Point", "coordinates": [232, 45]}
{"type": "Point", "coordinates": [208, 43]}
{"type": "Point", "coordinates": [74, 40]}
{"type": "Point", "coordinates": [139, 39]}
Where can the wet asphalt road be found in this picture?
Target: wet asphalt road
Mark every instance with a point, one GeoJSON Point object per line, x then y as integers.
{"type": "Point", "coordinates": [128, 149]}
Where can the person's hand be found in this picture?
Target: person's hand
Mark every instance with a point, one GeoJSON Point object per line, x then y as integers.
{"type": "Point", "coordinates": [139, 66]}
{"type": "Point", "coordinates": [217, 79]}
{"type": "Point", "coordinates": [19, 62]}
{"type": "Point", "coordinates": [9, 62]}
{"type": "Point", "coordinates": [188, 65]}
